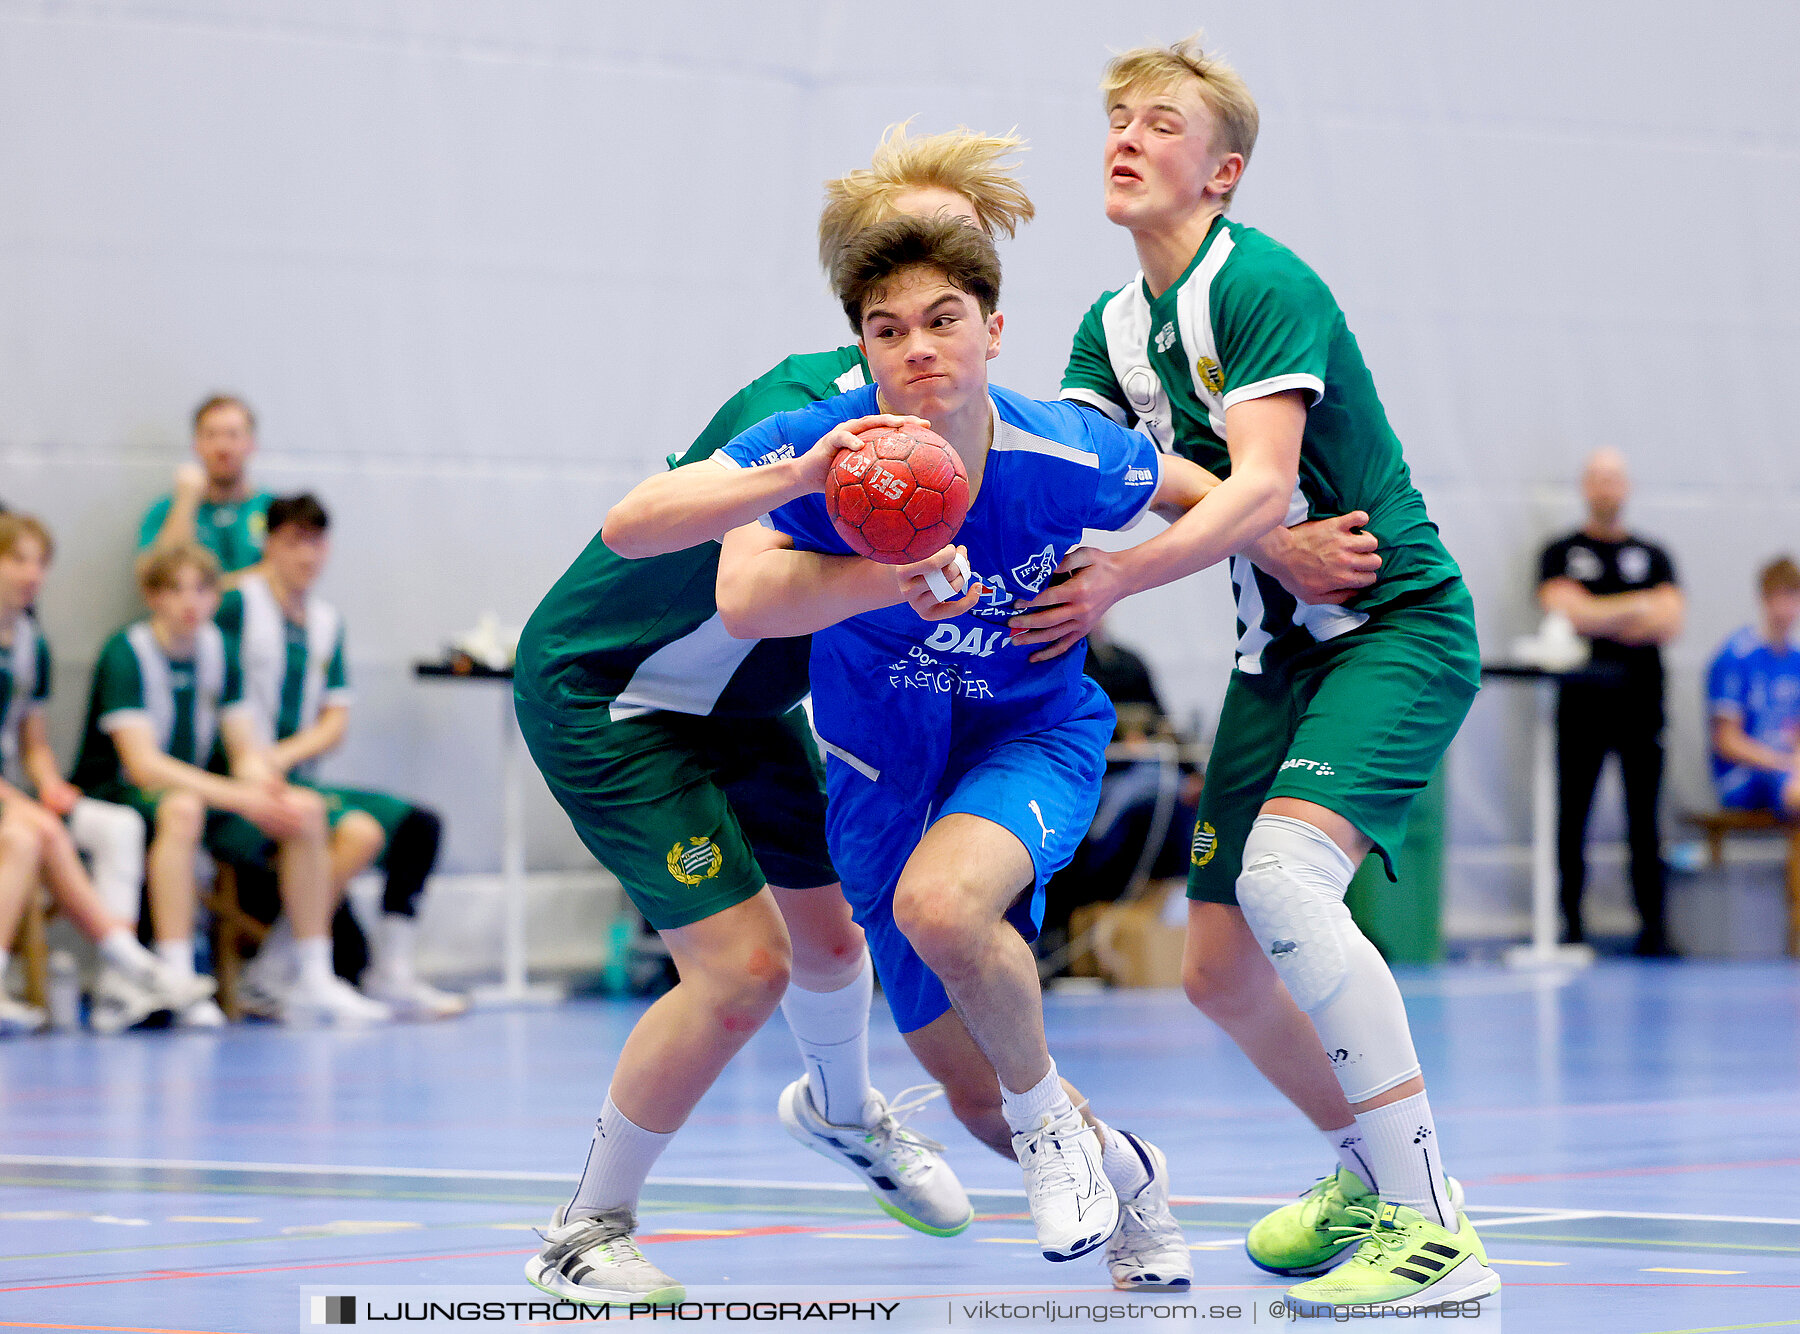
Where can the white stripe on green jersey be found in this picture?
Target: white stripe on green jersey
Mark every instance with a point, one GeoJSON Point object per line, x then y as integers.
{"type": "Point", "coordinates": [1246, 320]}
{"type": "Point", "coordinates": [291, 671]}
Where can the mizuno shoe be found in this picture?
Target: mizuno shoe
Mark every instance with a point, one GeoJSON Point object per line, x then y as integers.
{"type": "Point", "coordinates": [906, 1172]}
{"type": "Point", "coordinates": [1073, 1205]}
{"type": "Point", "coordinates": [1148, 1253]}
{"type": "Point", "coordinates": [1308, 1236]}
{"type": "Point", "coordinates": [1401, 1259]}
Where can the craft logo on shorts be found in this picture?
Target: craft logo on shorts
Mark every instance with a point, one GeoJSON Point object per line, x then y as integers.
{"type": "Point", "coordinates": [696, 860]}
{"type": "Point", "coordinates": [1206, 842]}
{"type": "Point", "coordinates": [334, 1310]}
{"type": "Point", "coordinates": [1320, 768]}
{"type": "Point", "coordinates": [1211, 374]}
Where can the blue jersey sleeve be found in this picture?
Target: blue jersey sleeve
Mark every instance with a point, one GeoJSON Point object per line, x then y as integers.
{"type": "Point", "coordinates": [1130, 471]}
{"type": "Point", "coordinates": [788, 435]}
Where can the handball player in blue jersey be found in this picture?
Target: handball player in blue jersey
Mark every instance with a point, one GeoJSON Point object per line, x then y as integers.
{"type": "Point", "coordinates": [962, 775]}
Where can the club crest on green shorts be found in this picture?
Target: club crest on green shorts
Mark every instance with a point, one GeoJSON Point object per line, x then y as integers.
{"type": "Point", "coordinates": [696, 860]}
{"type": "Point", "coordinates": [1206, 843]}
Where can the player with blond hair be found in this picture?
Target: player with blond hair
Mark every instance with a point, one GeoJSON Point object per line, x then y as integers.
{"type": "Point", "coordinates": [1229, 350]}
{"type": "Point", "coordinates": [686, 763]}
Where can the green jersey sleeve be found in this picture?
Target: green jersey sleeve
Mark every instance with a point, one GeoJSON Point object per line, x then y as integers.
{"type": "Point", "coordinates": [1089, 377]}
{"type": "Point", "coordinates": [154, 518]}
{"type": "Point", "coordinates": [118, 686]}
{"type": "Point", "coordinates": [1274, 321]}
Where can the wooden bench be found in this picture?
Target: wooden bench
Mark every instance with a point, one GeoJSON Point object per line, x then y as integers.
{"type": "Point", "coordinates": [1716, 825]}
{"type": "Point", "coordinates": [33, 949]}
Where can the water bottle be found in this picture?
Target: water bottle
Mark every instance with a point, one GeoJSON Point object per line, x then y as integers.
{"type": "Point", "coordinates": [65, 992]}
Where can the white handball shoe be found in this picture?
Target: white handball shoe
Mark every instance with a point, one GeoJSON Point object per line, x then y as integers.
{"type": "Point", "coordinates": [203, 1013]}
{"type": "Point", "coordinates": [264, 984]}
{"type": "Point", "coordinates": [596, 1260]}
{"type": "Point", "coordinates": [18, 1017]}
{"type": "Point", "coordinates": [906, 1171]}
{"type": "Point", "coordinates": [125, 997]}
{"type": "Point", "coordinates": [1148, 1253]}
{"type": "Point", "coordinates": [412, 997]}
{"type": "Point", "coordinates": [332, 1001]}
{"type": "Point", "coordinates": [1073, 1205]}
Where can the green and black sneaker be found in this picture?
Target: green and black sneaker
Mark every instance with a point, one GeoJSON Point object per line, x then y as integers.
{"type": "Point", "coordinates": [1308, 1236]}
{"type": "Point", "coordinates": [1402, 1259]}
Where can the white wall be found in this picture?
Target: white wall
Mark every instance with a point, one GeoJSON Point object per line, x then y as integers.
{"type": "Point", "coordinates": [481, 266]}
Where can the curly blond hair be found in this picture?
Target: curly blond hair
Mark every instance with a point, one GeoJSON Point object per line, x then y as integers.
{"type": "Point", "coordinates": [959, 160]}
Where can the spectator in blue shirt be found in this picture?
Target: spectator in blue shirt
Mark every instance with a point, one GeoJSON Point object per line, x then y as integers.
{"type": "Point", "coordinates": [1753, 699]}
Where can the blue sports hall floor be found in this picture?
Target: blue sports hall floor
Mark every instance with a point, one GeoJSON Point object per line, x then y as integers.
{"type": "Point", "coordinates": [1629, 1138]}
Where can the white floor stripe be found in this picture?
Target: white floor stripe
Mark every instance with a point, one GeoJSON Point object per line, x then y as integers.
{"type": "Point", "coordinates": [1515, 1213]}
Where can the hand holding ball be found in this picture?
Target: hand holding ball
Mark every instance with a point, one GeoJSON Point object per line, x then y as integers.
{"type": "Point", "coordinates": [898, 497]}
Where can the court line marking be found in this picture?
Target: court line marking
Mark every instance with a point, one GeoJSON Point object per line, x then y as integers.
{"type": "Point", "coordinates": [1726, 1329]}
{"type": "Point", "coordinates": [1717, 1273]}
{"type": "Point", "coordinates": [845, 1187]}
{"type": "Point", "coordinates": [116, 1329]}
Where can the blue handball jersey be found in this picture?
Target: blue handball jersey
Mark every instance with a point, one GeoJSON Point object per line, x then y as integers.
{"type": "Point", "coordinates": [895, 696]}
{"type": "Point", "coordinates": [1759, 687]}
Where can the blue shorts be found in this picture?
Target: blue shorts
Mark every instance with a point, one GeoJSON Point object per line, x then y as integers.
{"type": "Point", "coordinates": [1747, 789]}
{"type": "Point", "coordinates": [1043, 787]}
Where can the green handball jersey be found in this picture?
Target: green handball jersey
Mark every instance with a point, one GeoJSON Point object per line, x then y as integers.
{"type": "Point", "coordinates": [292, 670]}
{"type": "Point", "coordinates": [645, 634]}
{"type": "Point", "coordinates": [24, 688]}
{"type": "Point", "coordinates": [182, 699]}
{"type": "Point", "coordinates": [1248, 319]}
{"type": "Point", "coordinates": [233, 532]}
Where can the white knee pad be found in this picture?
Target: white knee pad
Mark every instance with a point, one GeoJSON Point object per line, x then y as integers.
{"type": "Point", "coordinates": [1292, 893]}
{"type": "Point", "coordinates": [112, 838]}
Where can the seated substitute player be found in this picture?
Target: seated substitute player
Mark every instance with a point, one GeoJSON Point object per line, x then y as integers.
{"type": "Point", "coordinates": [290, 645]}
{"type": "Point", "coordinates": [1231, 350]}
{"type": "Point", "coordinates": [685, 761]}
{"type": "Point", "coordinates": [961, 775]}
{"type": "Point", "coordinates": [167, 699]}
{"type": "Point", "coordinates": [213, 502]}
{"type": "Point", "coordinates": [1753, 698]}
{"type": "Point", "coordinates": [35, 843]}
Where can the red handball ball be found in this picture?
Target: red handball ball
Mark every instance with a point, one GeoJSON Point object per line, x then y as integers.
{"type": "Point", "coordinates": [898, 497]}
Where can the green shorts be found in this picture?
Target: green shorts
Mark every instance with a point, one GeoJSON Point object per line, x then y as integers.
{"type": "Point", "coordinates": [693, 814]}
{"type": "Point", "coordinates": [144, 802]}
{"type": "Point", "coordinates": [1357, 724]}
{"type": "Point", "coordinates": [237, 840]}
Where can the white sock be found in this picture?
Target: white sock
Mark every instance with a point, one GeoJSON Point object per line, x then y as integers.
{"type": "Point", "coordinates": [119, 948]}
{"type": "Point", "coordinates": [1121, 1163]}
{"type": "Point", "coordinates": [395, 934]}
{"type": "Point", "coordinates": [313, 959]}
{"type": "Point", "coordinates": [831, 1028]}
{"type": "Point", "coordinates": [1353, 1152]}
{"type": "Point", "coordinates": [5, 960]}
{"type": "Point", "coordinates": [1027, 1110]}
{"type": "Point", "coordinates": [618, 1161]}
{"type": "Point", "coordinates": [177, 954]}
{"type": "Point", "coordinates": [1401, 1145]}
